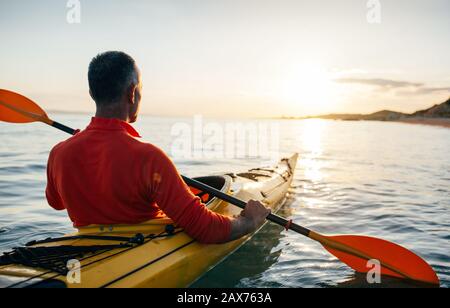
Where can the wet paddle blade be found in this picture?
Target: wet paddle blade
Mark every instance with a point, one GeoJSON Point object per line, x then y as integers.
{"type": "Point", "coordinates": [15, 108]}
{"type": "Point", "coordinates": [395, 260]}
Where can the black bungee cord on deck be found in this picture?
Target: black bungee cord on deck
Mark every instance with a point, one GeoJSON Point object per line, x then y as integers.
{"type": "Point", "coordinates": [55, 258]}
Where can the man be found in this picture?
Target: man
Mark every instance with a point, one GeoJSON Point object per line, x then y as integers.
{"type": "Point", "coordinates": [104, 175]}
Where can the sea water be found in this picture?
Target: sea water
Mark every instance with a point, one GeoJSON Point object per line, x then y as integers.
{"type": "Point", "coordinates": [383, 179]}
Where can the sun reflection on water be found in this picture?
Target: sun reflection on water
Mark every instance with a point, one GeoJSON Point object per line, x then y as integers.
{"type": "Point", "coordinates": [312, 139]}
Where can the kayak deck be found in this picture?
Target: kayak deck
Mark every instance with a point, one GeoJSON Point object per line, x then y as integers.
{"type": "Point", "coordinates": [166, 256]}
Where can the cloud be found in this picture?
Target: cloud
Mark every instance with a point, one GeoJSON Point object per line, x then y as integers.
{"type": "Point", "coordinates": [379, 82]}
{"type": "Point", "coordinates": [401, 87]}
{"type": "Point", "coordinates": [432, 90]}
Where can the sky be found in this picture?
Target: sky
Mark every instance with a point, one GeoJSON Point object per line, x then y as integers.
{"type": "Point", "coordinates": [235, 58]}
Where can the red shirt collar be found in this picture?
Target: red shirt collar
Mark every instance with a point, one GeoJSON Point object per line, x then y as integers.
{"type": "Point", "coordinates": [112, 124]}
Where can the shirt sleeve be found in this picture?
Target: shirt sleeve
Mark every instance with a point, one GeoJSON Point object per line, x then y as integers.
{"type": "Point", "coordinates": [52, 195]}
{"type": "Point", "coordinates": [176, 200]}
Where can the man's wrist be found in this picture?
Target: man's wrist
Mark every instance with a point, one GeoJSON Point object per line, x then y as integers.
{"type": "Point", "coordinates": [241, 226]}
{"type": "Point", "coordinates": [249, 224]}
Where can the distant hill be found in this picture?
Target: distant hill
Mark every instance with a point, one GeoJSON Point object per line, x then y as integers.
{"type": "Point", "coordinates": [437, 111]}
{"type": "Point", "coordinates": [385, 115]}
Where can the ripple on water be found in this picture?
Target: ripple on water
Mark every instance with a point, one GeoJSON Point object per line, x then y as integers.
{"type": "Point", "coordinates": [19, 234]}
{"type": "Point", "coordinates": [8, 154]}
{"type": "Point", "coordinates": [25, 169]}
{"type": "Point", "coordinates": [402, 229]}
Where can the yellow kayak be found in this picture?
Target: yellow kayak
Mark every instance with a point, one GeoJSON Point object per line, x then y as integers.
{"type": "Point", "coordinates": [152, 254]}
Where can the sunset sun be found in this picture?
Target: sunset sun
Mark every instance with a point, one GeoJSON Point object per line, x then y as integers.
{"type": "Point", "coordinates": [309, 85]}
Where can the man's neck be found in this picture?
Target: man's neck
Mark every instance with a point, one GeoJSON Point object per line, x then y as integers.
{"type": "Point", "coordinates": [112, 112]}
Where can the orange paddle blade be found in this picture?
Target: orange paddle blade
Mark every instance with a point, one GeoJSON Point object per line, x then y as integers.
{"type": "Point", "coordinates": [395, 260]}
{"type": "Point", "coordinates": [15, 108]}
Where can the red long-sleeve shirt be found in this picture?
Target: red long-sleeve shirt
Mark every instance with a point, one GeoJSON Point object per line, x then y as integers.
{"type": "Point", "coordinates": [104, 175]}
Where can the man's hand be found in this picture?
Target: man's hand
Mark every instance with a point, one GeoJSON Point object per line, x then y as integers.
{"type": "Point", "coordinates": [251, 218]}
{"type": "Point", "coordinates": [256, 213]}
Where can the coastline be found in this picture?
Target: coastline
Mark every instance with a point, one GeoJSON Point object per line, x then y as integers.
{"type": "Point", "coordinates": [437, 115]}
{"type": "Point", "coordinates": [443, 122]}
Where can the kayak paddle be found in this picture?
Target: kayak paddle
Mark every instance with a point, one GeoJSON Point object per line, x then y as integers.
{"type": "Point", "coordinates": [15, 108]}
{"type": "Point", "coordinates": [353, 250]}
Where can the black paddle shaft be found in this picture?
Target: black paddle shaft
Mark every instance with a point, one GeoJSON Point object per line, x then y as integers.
{"type": "Point", "coordinates": [288, 224]}
{"type": "Point", "coordinates": [64, 128]}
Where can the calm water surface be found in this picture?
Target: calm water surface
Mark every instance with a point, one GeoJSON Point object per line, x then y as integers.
{"type": "Point", "coordinates": [388, 180]}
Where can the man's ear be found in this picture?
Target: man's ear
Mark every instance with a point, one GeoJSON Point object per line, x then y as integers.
{"type": "Point", "coordinates": [132, 93]}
